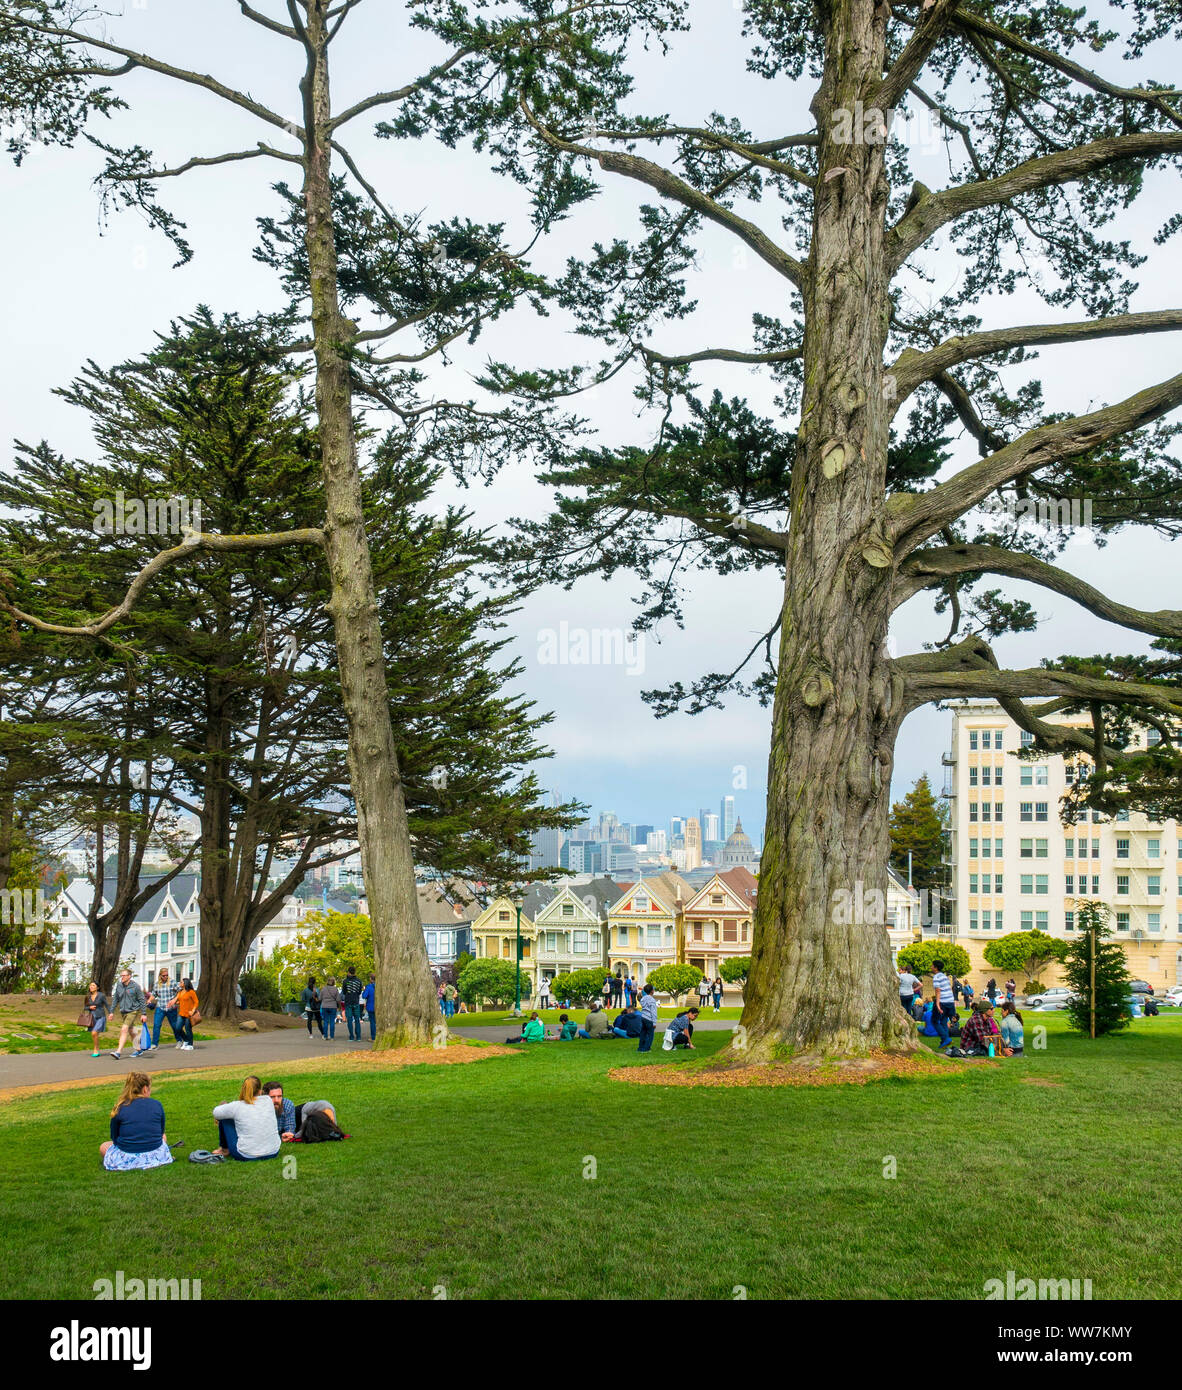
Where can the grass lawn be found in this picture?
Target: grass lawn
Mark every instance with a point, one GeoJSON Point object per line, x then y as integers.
{"type": "Point", "coordinates": [37, 1023]}
{"type": "Point", "coordinates": [1061, 1164]}
{"type": "Point", "coordinates": [495, 1017]}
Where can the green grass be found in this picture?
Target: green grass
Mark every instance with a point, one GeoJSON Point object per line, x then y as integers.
{"type": "Point", "coordinates": [36, 1035]}
{"type": "Point", "coordinates": [495, 1017]}
{"type": "Point", "coordinates": [472, 1178]}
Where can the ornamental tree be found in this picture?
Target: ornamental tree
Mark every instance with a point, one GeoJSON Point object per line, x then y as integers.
{"type": "Point", "coordinates": [919, 958]}
{"type": "Point", "coordinates": [486, 979]}
{"type": "Point", "coordinates": [676, 980]}
{"type": "Point", "coordinates": [879, 336]}
{"type": "Point", "coordinates": [735, 969]}
{"type": "Point", "coordinates": [1028, 951]}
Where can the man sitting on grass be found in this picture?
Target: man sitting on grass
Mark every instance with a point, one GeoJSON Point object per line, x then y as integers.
{"type": "Point", "coordinates": [285, 1116]}
{"type": "Point", "coordinates": [597, 1025]}
{"type": "Point", "coordinates": [532, 1030]}
{"type": "Point", "coordinates": [629, 1023]}
{"type": "Point", "coordinates": [570, 1029]}
{"type": "Point", "coordinates": [980, 1030]}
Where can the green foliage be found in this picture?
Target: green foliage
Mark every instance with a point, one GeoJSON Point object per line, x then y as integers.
{"type": "Point", "coordinates": [1112, 978]}
{"type": "Point", "coordinates": [1025, 951]}
{"type": "Point", "coordinates": [259, 991]}
{"type": "Point", "coordinates": [919, 956]}
{"type": "Point", "coordinates": [462, 962]}
{"type": "Point", "coordinates": [735, 969]}
{"type": "Point", "coordinates": [330, 942]}
{"type": "Point", "coordinates": [675, 980]}
{"type": "Point", "coordinates": [486, 979]}
{"type": "Point", "coordinates": [579, 986]}
{"type": "Point", "coordinates": [917, 825]}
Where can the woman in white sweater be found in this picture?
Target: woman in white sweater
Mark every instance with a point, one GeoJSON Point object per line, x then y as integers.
{"type": "Point", "coordinates": [246, 1126]}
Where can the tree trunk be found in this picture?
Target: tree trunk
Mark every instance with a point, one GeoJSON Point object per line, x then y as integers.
{"type": "Point", "coordinates": [108, 946]}
{"type": "Point", "coordinates": [220, 967]}
{"type": "Point", "coordinates": [821, 982]}
{"type": "Point", "coordinates": [406, 1002]}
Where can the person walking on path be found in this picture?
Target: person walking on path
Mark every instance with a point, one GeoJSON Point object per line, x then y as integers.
{"type": "Point", "coordinates": [163, 1000]}
{"type": "Point", "coordinates": [991, 990]}
{"type": "Point", "coordinates": [351, 991]}
{"type": "Point", "coordinates": [717, 993]}
{"type": "Point", "coordinates": [137, 1137]}
{"type": "Point", "coordinates": [703, 992]}
{"type": "Point", "coordinates": [187, 1007]}
{"type": "Point", "coordinates": [943, 1005]}
{"type": "Point", "coordinates": [130, 1005]}
{"type": "Point", "coordinates": [98, 1005]}
{"type": "Point", "coordinates": [330, 999]}
{"type": "Point", "coordinates": [247, 1128]}
{"type": "Point", "coordinates": [967, 991]}
{"type": "Point", "coordinates": [367, 996]}
{"type": "Point", "coordinates": [908, 984]}
{"type": "Point", "coordinates": [310, 1003]}
{"type": "Point", "coordinates": [648, 1015]}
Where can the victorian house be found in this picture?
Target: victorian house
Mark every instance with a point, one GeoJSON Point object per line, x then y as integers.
{"type": "Point", "coordinates": [718, 920]}
{"type": "Point", "coordinates": [494, 936]}
{"type": "Point", "coordinates": [645, 925]}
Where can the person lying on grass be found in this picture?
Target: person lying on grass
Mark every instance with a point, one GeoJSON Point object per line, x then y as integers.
{"type": "Point", "coordinates": [246, 1126]}
{"type": "Point", "coordinates": [532, 1030]}
{"type": "Point", "coordinates": [137, 1129]}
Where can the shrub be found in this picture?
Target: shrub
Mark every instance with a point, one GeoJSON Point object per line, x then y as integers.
{"type": "Point", "coordinates": [918, 958]}
{"type": "Point", "coordinates": [491, 980]}
{"type": "Point", "coordinates": [259, 991]}
{"type": "Point", "coordinates": [1111, 975]}
{"type": "Point", "coordinates": [735, 969]}
{"type": "Point", "coordinates": [674, 979]}
{"type": "Point", "coordinates": [579, 986]}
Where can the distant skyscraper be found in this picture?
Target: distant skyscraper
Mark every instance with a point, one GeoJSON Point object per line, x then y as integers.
{"type": "Point", "coordinates": [640, 834]}
{"type": "Point", "coordinates": [726, 816]}
{"type": "Point", "coordinates": [657, 842]}
{"type": "Point", "coordinates": [676, 828]}
{"type": "Point", "coordinates": [710, 827]}
{"type": "Point", "coordinates": [693, 843]}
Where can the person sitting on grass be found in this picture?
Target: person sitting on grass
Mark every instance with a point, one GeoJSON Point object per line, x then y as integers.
{"type": "Point", "coordinates": [570, 1029]}
{"type": "Point", "coordinates": [246, 1126]}
{"type": "Point", "coordinates": [137, 1129]}
{"type": "Point", "coordinates": [1011, 1029]}
{"type": "Point", "coordinates": [532, 1030]}
{"type": "Point", "coordinates": [681, 1030]}
{"type": "Point", "coordinates": [980, 1030]}
{"type": "Point", "coordinates": [597, 1025]}
{"type": "Point", "coordinates": [285, 1116]}
{"type": "Point", "coordinates": [628, 1024]}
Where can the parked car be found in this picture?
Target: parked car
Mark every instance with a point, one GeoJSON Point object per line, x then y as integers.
{"type": "Point", "coordinates": [1141, 987]}
{"type": "Point", "coordinates": [1173, 995]}
{"type": "Point", "coordinates": [1057, 994]}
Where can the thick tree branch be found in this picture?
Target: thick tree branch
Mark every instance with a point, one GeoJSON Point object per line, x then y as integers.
{"type": "Point", "coordinates": [930, 28]}
{"type": "Point", "coordinates": [922, 566]}
{"type": "Point", "coordinates": [191, 545]}
{"type": "Point", "coordinates": [719, 355]}
{"type": "Point", "coordinates": [914, 367]}
{"type": "Point", "coordinates": [915, 517]}
{"type": "Point", "coordinates": [987, 440]}
{"type": "Point", "coordinates": [934, 210]}
{"type": "Point", "coordinates": [670, 186]}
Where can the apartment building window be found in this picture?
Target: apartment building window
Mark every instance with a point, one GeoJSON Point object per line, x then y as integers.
{"type": "Point", "coordinates": [997, 919]}
{"type": "Point", "coordinates": [997, 737]}
{"type": "Point", "coordinates": [973, 883]}
{"type": "Point", "coordinates": [150, 948]}
{"type": "Point", "coordinates": [1154, 886]}
{"type": "Point", "coordinates": [973, 919]}
{"type": "Point", "coordinates": [1095, 849]}
{"type": "Point", "coordinates": [985, 915]}
{"type": "Point", "coordinates": [1041, 775]}
{"type": "Point", "coordinates": [1122, 921]}
{"type": "Point", "coordinates": [1027, 921]}
{"type": "Point", "coordinates": [1026, 810]}
{"type": "Point", "coordinates": [997, 888]}
{"type": "Point", "coordinates": [1040, 810]}
{"type": "Point", "coordinates": [1152, 738]}
{"type": "Point", "coordinates": [1069, 885]}
{"type": "Point", "coordinates": [1027, 883]}
{"type": "Point", "coordinates": [1026, 775]}
{"type": "Point", "coordinates": [973, 740]}
{"type": "Point", "coordinates": [1095, 885]}
{"type": "Point", "coordinates": [972, 776]}
{"type": "Point", "coordinates": [986, 881]}
{"type": "Point", "coordinates": [973, 811]}
{"type": "Point", "coordinates": [997, 854]}
{"type": "Point", "coordinates": [1154, 920]}
{"type": "Point", "coordinates": [1122, 849]}
{"type": "Point", "coordinates": [1040, 849]}
{"type": "Point", "coordinates": [580, 943]}
{"type": "Point", "coordinates": [1122, 885]}
{"type": "Point", "coordinates": [191, 936]}
{"type": "Point", "coordinates": [1153, 849]}
{"type": "Point", "coordinates": [1027, 738]}
{"type": "Point", "coordinates": [1040, 884]}
{"type": "Point", "coordinates": [997, 809]}
{"type": "Point", "coordinates": [1122, 815]}
{"type": "Point", "coordinates": [180, 938]}
{"type": "Point", "coordinates": [72, 944]}
{"type": "Point", "coordinates": [973, 848]}
{"type": "Point", "coordinates": [1040, 921]}
{"type": "Point", "coordinates": [1026, 850]}
{"type": "Point", "coordinates": [1069, 921]}
{"type": "Point", "coordinates": [1069, 773]}
{"type": "Point", "coordinates": [997, 775]}
{"type": "Point", "coordinates": [986, 809]}
{"type": "Point", "coordinates": [1180, 849]}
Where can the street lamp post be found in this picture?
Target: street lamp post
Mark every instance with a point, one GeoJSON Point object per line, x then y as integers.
{"type": "Point", "coordinates": [517, 982]}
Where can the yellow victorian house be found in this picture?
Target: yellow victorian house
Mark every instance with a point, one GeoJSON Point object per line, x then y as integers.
{"type": "Point", "coordinates": [494, 935]}
{"type": "Point", "coordinates": [644, 926]}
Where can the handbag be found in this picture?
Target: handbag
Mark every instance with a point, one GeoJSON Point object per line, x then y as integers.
{"type": "Point", "coordinates": [195, 1017]}
{"type": "Point", "coordinates": [86, 1020]}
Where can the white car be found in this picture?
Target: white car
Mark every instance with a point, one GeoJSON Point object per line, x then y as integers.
{"type": "Point", "coordinates": [1057, 995]}
{"type": "Point", "coordinates": [1173, 995]}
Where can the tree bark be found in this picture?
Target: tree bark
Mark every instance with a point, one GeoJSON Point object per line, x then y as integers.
{"type": "Point", "coordinates": [406, 1001]}
{"type": "Point", "coordinates": [820, 982]}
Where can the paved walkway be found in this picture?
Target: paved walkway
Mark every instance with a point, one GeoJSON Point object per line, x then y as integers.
{"type": "Point", "coordinates": [254, 1050]}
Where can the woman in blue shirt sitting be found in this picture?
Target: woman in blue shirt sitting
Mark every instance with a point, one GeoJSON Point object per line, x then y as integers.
{"type": "Point", "coordinates": [137, 1129]}
{"type": "Point", "coordinates": [1011, 1029]}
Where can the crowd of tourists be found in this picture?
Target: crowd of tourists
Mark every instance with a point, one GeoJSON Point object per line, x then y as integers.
{"type": "Point", "coordinates": [141, 1015]}
{"type": "Point", "coordinates": [350, 1003]}
{"type": "Point", "coordinates": [982, 1035]}
{"type": "Point", "coordinates": [635, 1020]}
{"type": "Point", "coordinates": [251, 1128]}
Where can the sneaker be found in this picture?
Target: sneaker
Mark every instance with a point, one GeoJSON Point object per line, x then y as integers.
{"type": "Point", "coordinates": [154, 1048]}
{"type": "Point", "coordinates": [96, 1054]}
{"type": "Point", "coordinates": [180, 1047]}
{"type": "Point", "coordinates": [118, 1056]}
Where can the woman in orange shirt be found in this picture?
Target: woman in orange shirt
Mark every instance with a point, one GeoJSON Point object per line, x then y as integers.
{"type": "Point", "coordinates": [186, 1007]}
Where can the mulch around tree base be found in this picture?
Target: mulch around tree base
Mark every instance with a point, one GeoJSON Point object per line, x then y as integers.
{"type": "Point", "coordinates": [393, 1060]}
{"type": "Point", "coordinates": [801, 1071]}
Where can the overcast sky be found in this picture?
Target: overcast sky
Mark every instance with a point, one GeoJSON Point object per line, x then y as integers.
{"type": "Point", "coordinates": [76, 289]}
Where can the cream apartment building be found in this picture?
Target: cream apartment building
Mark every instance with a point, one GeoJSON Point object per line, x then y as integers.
{"type": "Point", "coordinates": [1016, 867]}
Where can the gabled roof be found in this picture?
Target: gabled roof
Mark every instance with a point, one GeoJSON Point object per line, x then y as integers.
{"type": "Point", "coordinates": [584, 912]}
{"type": "Point", "coordinates": [743, 881]}
{"type": "Point", "coordinates": [700, 901]}
{"type": "Point", "coordinates": [446, 905]}
{"type": "Point", "coordinates": [502, 904]}
{"type": "Point", "coordinates": [659, 904]}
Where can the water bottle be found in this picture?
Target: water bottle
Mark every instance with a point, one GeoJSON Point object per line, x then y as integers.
{"type": "Point", "coordinates": [991, 1049]}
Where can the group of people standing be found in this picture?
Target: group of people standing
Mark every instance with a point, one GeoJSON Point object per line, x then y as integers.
{"type": "Point", "coordinates": [253, 1127]}
{"type": "Point", "coordinates": [329, 1003]}
{"type": "Point", "coordinates": [175, 1001]}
